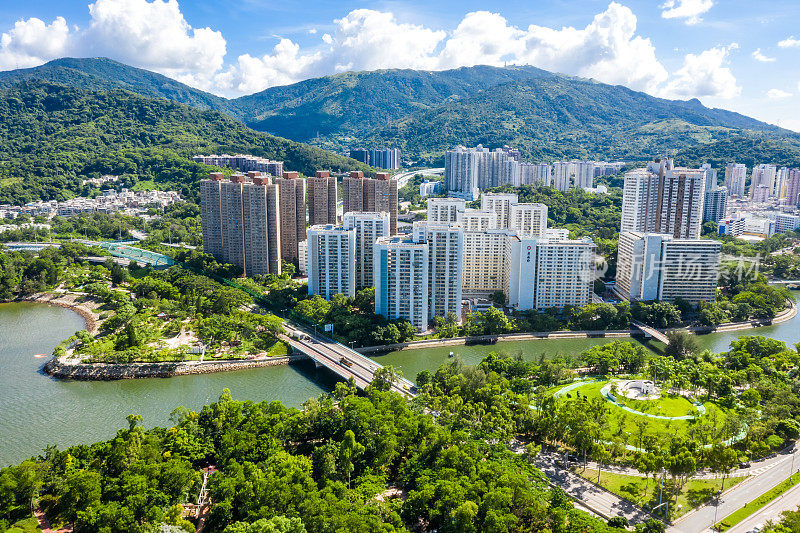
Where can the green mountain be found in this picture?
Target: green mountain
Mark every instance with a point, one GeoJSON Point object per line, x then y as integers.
{"type": "Point", "coordinates": [102, 74]}
{"type": "Point", "coordinates": [54, 136]}
{"type": "Point", "coordinates": [546, 115]}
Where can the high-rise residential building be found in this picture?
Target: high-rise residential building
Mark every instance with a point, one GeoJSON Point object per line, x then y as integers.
{"type": "Point", "coordinates": [361, 155]}
{"type": "Point", "coordinates": [485, 262]}
{"type": "Point", "coordinates": [781, 181]}
{"type": "Point", "coordinates": [760, 194]}
{"type": "Point", "coordinates": [529, 220]}
{"type": "Point", "coordinates": [429, 188]}
{"type": "Point", "coordinates": [762, 175]}
{"type": "Point", "coordinates": [445, 250]}
{"type": "Point", "coordinates": [562, 174]}
{"type": "Point", "coordinates": [664, 199]}
{"type": "Point", "coordinates": [388, 158]}
{"type": "Point", "coordinates": [711, 176]}
{"type": "Point", "coordinates": [368, 228]}
{"type": "Point", "coordinates": [793, 187]}
{"type": "Point", "coordinates": [211, 220]}
{"type": "Point", "coordinates": [302, 247]}
{"type": "Point", "coordinates": [240, 221]}
{"type": "Point", "coordinates": [477, 220]}
{"type": "Point", "coordinates": [784, 223]}
{"type": "Point", "coordinates": [445, 209]}
{"type": "Point", "coordinates": [331, 260]}
{"type": "Point", "coordinates": [262, 235]}
{"type": "Point", "coordinates": [584, 174]}
{"type": "Point", "coordinates": [539, 174]}
{"type": "Point", "coordinates": [401, 280]}
{"type": "Point", "coordinates": [501, 204]}
{"type": "Point", "coordinates": [292, 200]}
{"type": "Point", "coordinates": [468, 171]}
{"type": "Point", "coordinates": [716, 203]}
{"type": "Point", "coordinates": [657, 266]}
{"type": "Point", "coordinates": [545, 273]}
{"type": "Point", "coordinates": [366, 194]}
{"type": "Point", "coordinates": [322, 197]}
{"type": "Point", "coordinates": [735, 179]}
{"type": "Point", "coordinates": [242, 163]}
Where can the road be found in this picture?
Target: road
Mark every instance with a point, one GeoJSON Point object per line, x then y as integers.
{"type": "Point", "coordinates": [600, 501]}
{"type": "Point", "coordinates": [788, 502]}
{"type": "Point", "coordinates": [330, 355]}
{"type": "Point", "coordinates": [403, 177]}
{"type": "Point", "coordinates": [701, 519]}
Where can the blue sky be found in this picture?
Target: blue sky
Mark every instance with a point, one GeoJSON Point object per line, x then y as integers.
{"type": "Point", "coordinates": [739, 55]}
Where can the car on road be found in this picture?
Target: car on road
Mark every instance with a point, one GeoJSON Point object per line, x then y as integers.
{"type": "Point", "coordinates": [756, 528]}
{"type": "Point", "coordinates": [345, 361]}
{"type": "Point", "coordinates": [745, 464]}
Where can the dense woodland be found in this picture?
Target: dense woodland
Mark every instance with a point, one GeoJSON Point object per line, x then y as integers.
{"type": "Point", "coordinates": [374, 462]}
{"type": "Point", "coordinates": [53, 137]}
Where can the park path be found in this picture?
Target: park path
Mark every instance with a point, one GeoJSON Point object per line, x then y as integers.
{"type": "Point", "coordinates": [600, 501]}
{"type": "Point", "coordinates": [44, 523]}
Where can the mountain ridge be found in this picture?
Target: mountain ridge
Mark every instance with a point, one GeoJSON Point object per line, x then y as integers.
{"type": "Point", "coordinates": [547, 115]}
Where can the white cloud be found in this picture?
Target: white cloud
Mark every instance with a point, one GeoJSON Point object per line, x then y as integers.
{"type": "Point", "coordinates": [789, 42]}
{"type": "Point", "coordinates": [777, 94]}
{"type": "Point", "coordinates": [154, 34]}
{"type": "Point", "coordinates": [149, 34]}
{"type": "Point", "coordinates": [32, 42]}
{"type": "Point", "coordinates": [690, 10]}
{"type": "Point", "coordinates": [704, 74]}
{"type": "Point", "coordinates": [608, 49]}
{"type": "Point", "coordinates": [758, 56]}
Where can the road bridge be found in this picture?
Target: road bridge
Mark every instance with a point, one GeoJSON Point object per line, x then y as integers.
{"type": "Point", "coordinates": [341, 360]}
{"type": "Point", "coordinates": [650, 332]}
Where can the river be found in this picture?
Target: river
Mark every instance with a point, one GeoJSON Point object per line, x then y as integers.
{"type": "Point", "coordinates": [36, 411]}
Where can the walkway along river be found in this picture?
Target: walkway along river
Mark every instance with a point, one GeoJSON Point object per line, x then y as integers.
{"type": "Point", "coordinates": [36, 411]}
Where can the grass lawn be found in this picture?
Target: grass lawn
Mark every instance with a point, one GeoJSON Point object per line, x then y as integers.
{"type": "Point", "coordinates": [29, 525]}
{"type": "Point", "coordinates": [643, 492]}
{"type": "Point", "coordinates": [753, 506]}
{"type": "Point", "coordinates": [667, 405]}
{"type": "Point", "coordinates": [624, 424]}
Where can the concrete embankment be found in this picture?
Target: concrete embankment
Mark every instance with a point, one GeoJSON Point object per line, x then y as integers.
{"type": "Point", "coordinates": [784, 316]}
{"type": "Point", "coordinates": [60, 369]}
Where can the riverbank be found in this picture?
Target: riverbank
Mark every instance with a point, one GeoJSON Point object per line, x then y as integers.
{"type": "Point", "coordinates": [61, 368]}
{"type": "Point", "coordinates": [784, 316]}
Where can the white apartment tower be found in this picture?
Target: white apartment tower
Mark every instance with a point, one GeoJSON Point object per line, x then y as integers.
{"type": "Point", "coordinates": [584, 174]}
{"type": "Point", "coordinates": [763, 175]}
{"type": "Point", "coordinates": [657, 266]}
{"type": "Point", "coordinates": [331, 253]}
{"type": "Point", "coordinates": [545, 273]}
{"type": "Point", "coordinates": [477, 220]}
{"type": "Point", "coordinates": [735, 178]}
{"type": "Point", "coordinates": [368, 228]}
{"type": "Point", "coordinates": [445, 251]}
{"type": "Point", "coordinates": [401, 280]}
{"type": "Point", "coordinates": [538, 174]}
{"type": "Point", "coordinates": [445, 210]}
{"type": "Point", "coordinates": [562, 172]}
{"type": "Point", "coordinates": [529, 220]}
{"type": "Point", "coordinates": [716, 204]}
{"type": "Point", "coordinates": [468, 171]}
{"type": "Point", "coordinates": [501, 204]}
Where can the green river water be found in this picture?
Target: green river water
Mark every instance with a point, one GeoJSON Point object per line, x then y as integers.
{"type": "Point", "coordinates": [36, 411]}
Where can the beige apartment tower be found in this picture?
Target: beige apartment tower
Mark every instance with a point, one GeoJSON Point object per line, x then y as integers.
{"type": "Point", "coordinates": [322, 199]}
{"type": "Point", "coordinates": [372, 195]}
{"type": "Point", "coordinates": [240, 221]}
{"type": "Point", "coordinates": [292, 209]}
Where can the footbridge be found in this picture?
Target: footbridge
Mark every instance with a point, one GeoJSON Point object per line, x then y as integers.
{"type": "Point", "coordinates": [650, 332]}
{"type": "Point", "coordinates": [341, 360]}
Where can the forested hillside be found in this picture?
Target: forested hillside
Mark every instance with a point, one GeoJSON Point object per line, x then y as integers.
{"type": "Point", "coordinates": [54, 136]}
{"type": "Point", "coordinates": [103, 74]}
{"type": "Point", "coordinates": [548, 116]}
